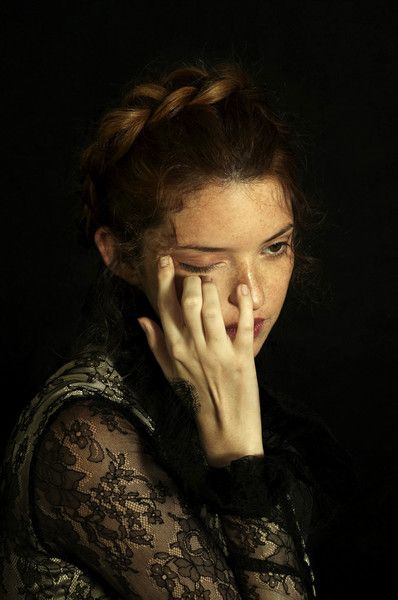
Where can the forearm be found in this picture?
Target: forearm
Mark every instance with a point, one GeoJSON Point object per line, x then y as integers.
{"type": "Point", "coordinates": [263, 542]}
{"type": "Point", "coordinates": [263, 558]}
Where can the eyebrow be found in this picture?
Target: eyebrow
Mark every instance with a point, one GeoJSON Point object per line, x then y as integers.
{"type": "Point", "coordinates": [218, 249]}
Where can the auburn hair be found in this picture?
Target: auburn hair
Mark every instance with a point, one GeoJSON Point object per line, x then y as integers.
{"type": "Point", "coordinates": [172, 136]}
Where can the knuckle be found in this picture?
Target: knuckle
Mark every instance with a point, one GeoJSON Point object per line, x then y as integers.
{"type": "Point", "coordinates": [210, 314]}
{"type": "Point", "coordinates": [216, 340]}
{"type": "Point", "coordinates": [177, 349]}
{"type": "Point", "coordinates": [162, 301]}
{"type": "Point", "coordinates": [211, 363]}
{"type": "Point", "coordinates": [191, 301]}
{"type": "Point", "coordinates": [247, 329]}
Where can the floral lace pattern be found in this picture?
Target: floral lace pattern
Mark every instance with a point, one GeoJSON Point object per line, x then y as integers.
{"type": "Point", "coordinates": [105, 520]}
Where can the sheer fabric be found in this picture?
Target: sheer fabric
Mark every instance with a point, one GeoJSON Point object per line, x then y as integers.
{"type": "Point", "coordinates": [98, 506]}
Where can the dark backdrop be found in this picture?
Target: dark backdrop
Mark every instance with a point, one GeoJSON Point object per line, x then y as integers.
{"type": "Point", "coordinates": [330, 67]}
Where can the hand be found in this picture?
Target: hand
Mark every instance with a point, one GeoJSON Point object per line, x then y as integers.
{"type": "Point", "coordinates": [195, 347]}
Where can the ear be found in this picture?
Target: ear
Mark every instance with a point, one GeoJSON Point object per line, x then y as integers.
{"type": "Point", "coordinates": [106, 245]}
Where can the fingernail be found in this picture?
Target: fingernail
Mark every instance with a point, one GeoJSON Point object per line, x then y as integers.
{"type": "Point", "coordinates": [244, 289]}
{"type": "Point", "coordinates": [164, 261]}
{"type": "Point", "coordinates": [143, 327]}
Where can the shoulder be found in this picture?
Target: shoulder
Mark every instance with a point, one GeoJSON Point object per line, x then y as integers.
{"type": "Point", "coordinates": [91, 449]}
{"type": "Point", "coordinates": [95, 487]}
{"type": "Point", "coordinates": [88, 432]}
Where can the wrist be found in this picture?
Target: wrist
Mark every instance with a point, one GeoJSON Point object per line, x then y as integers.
{"type": "Point", "coordinates": [225, 458]}
{"type": "Point", "coordinates": [240, 488]}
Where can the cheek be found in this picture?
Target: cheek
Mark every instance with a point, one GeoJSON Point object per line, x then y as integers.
{"type": "Point", "coordinates": [277, 283]}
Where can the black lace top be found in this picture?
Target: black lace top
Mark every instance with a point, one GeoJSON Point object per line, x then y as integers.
{"type": "Point", "coordinates": [107, 493]}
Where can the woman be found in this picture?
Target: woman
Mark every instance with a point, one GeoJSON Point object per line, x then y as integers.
{"type": "Point", "coordinates": [158, 462]}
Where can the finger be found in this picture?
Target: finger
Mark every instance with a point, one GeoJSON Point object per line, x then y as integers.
{"type": "Point", "coordinates": [213, 322]}
{"type": "Point", "coordinates": [157, 343]}
{"type": "Point", "coordinates": [169, 308]}
{"type": "Point", "coordinates": [191, 304]}
{"type": "Point", "coordinates": [244, 334]}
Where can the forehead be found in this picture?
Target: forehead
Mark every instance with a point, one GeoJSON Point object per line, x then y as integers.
{"type": "Point", "coordinates": [231, 211]}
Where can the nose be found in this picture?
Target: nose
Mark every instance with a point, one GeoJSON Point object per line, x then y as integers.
{"type": "Point", "coordinates": [255, 284]}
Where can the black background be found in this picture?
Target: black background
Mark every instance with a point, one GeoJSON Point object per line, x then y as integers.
{"type": "Point", "coordinates": [331, 68]}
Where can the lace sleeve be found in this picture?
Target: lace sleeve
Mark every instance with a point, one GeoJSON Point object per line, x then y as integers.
{"type": "Point", "coordinates": [103, 502]}
{"type": "Point", "coordinates": [253, 497]}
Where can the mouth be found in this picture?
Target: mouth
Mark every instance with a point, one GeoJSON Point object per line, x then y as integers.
{"type": "Point", "coordinates": [257, 328]}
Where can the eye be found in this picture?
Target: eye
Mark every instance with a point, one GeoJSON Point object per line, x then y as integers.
{"type": "Point", "coordinates": [277, 249]}
{"type": "Point", "coordinates": [194, 269]}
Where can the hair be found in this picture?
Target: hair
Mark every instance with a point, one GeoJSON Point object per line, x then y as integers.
{"type": "Point", "coordinates": [171, 136]}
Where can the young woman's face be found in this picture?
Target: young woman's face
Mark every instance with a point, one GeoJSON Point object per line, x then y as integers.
{"type": "Point", "coordinates": [237, 233]}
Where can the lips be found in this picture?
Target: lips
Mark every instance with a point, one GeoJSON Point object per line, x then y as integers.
{"type": "Point", "coordinates": [232, 329]}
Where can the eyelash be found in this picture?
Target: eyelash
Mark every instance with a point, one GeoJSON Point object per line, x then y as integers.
{"type": "Point", "coordinates": [194, 269]}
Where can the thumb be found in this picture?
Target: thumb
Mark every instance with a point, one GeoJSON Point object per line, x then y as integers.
{"type": "Point", "coordinates": [157, 343]}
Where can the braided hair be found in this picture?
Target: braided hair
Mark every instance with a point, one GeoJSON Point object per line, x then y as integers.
{"type": "Point", "coordinates": [170, 137]}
